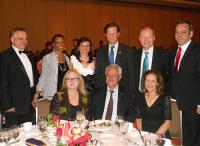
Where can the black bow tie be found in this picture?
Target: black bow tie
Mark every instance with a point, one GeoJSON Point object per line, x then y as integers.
{"type": "Point", "coordinates": [22, 52]}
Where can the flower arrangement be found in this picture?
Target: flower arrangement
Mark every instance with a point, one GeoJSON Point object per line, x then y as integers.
{"type": "Point", "coordinates": [62, 134]}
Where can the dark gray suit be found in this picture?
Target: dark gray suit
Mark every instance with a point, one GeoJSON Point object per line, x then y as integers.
{"type": "Point", "coordinates": [126, 103]}
{"type": "Point", "coordinates": [185, 88]}
{"type": "Point", "coordinates": [160, 63]}
{"type": "Point", "coordinates": [124, 59]}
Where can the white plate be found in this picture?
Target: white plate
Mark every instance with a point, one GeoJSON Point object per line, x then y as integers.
{"type": "Point", "coordinates": [107, 137]}
{"type": "Point", "coordinates": [97, 125]}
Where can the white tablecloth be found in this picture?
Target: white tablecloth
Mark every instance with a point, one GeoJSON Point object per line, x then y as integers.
{"type": "Point", "coordinates": [109, 137]}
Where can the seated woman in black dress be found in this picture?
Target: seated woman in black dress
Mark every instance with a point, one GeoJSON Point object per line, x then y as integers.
{"type": "Point", "coordinates": [71, 98]}
{"type": "Point", "coordinates": [154, 108]}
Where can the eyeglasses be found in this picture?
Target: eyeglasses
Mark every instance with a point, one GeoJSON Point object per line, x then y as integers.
{"type": "Point", "coordinates": [71, 79]}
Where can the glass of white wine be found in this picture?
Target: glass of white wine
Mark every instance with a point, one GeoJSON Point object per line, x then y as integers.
{"type": "Point", "coordinates": [15, 132]}
{"type": "Point", "coordinates": [80, 117]}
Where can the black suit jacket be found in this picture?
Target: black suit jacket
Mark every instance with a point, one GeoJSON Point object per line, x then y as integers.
{"type": "Point", "coordinates": [185, 85]}
{"type": "Point", "coordinates": [124, 59]}
{"type": "Point", "coordinates": [15, 88]}
{"type": "Point", "coordinates": [126, 103]}
{"type": "Point", "coordinates": [160, 62]}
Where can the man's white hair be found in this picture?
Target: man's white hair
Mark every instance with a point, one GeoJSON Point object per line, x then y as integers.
{"type": "Point", "coordinates": [114, 66]}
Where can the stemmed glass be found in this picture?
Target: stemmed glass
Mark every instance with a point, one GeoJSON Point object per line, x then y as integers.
{"type": "Point", "coordinates": [119, 120]}
{"type": "Point", "coordinates": [6, 135]}
{"type": "Point", "coordinates": [42, 124]}
{"type": "Point", "coordinates": [124, 127]}
{"type": "Point", "coordinates": [15, 132]}
{"type": "Point", "coordinates": [80, 117]}
{"type": "Point", "coordinates": [161, 140]}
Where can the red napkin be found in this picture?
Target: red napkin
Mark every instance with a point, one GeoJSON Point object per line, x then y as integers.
{"type": "Point", "coordinates": [81, 140]}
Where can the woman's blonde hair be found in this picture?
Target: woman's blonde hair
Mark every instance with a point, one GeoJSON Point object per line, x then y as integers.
{"type": "Point", "coordinates": [81, 85]}
{"type": "Point", "coordinates": [159, 87]}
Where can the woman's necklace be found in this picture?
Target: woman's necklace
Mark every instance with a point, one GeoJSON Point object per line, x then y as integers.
{"type": "Point", "coordinates": [84, 59]}
{"type": "Point", "coordinates": [64, 68]}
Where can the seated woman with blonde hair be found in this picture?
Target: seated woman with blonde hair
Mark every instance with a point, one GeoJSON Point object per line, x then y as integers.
{"type": "Point", "coordinates": [71, 98]}
{"type": "Point", "coordinates": [154, 109]}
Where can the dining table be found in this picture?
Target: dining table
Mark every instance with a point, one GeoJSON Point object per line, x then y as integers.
{"type": "Point", "coordinates": [102, 134]}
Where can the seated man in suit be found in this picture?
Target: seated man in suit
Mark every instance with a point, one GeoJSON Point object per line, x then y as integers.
{"type": "Point", "coordinates": [112, 100]}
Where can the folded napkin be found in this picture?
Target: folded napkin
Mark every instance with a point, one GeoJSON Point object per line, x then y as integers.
{"type": "Point", "coordinates": [81, 140]}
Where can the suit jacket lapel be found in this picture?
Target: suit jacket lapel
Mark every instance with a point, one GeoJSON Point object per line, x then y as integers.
{"type": "Point", "coordinates": [119, 53]}
{"type": "Point", "coordinates": [154, 59]}
{"type": "Point", "coordinates": [120, 101]}
{"type": "Point", "coordinates": [18, 62]}
{"type": "Point", "coordinates": [185, 56]}
{"type": "Point", "coordinates": [106, 54]}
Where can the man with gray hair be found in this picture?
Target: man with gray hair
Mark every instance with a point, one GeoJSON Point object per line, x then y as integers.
{"type": "Point", "coordinates": [18, 79]}
{"type": "Point", "coordinates": [112, 100]}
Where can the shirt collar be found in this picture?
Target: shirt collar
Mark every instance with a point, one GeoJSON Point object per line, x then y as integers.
{"type": "Point", "coordinates": [150, 50]}
{"type": "Point", "coordinates": [115, 89]}
{"type": "Point", "coordinates": [16, 49]}
{"type": "Point", "coordinates": [116, 45]}
{"type": "Point", "coordinates": [185, 46]}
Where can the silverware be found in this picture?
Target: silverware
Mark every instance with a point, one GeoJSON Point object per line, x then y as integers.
{"type": "Point", "coordinates": [87, 126]}
{"type": "Point", "coordinates": [141, 136]}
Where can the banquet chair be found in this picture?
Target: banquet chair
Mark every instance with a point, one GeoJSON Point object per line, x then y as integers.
{"type": "Point", "coordinates": [43, 108]}
{"type": "Point", "coordinates": [175, 128]}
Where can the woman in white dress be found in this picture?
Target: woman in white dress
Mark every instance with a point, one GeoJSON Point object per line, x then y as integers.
{"type": "Point", "coordinates": [84, 63]}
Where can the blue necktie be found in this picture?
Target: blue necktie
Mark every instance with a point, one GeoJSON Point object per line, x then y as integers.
{"type": "Point", "coordinates": [145, 63]}
{"type": "Point", "coordinates": [111, 55]}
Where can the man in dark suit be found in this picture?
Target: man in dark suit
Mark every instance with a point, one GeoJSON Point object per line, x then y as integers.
{"type": "Point", "coordinates": [18, 80]}
{"type": "Point", "coordinates": [113, 100]}
{"type": "Point", "coordinates": [150, 57]}
{"type": "Point", "coordinates": [114, 53]}
{"type": "Point", "coordinates": [185, 81]}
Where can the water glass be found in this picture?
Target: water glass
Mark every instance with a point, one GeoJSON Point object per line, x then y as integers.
{"type": "Point", "coordinates": [80, 117]}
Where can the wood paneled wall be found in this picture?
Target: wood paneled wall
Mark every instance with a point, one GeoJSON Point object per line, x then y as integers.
{"type": "Point", "coordinates": [76, 18]}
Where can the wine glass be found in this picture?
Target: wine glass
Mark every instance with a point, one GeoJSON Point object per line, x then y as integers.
{"type": "Point", "coordinates": [161, 140]}
{"type": "Point", "coordinates": [80, 117]}
{"type": "Point", "coordinates": [42, 124]}
{"type": "Point", "coordinates": [15, 132]}
{"type": "Point", "coordinates": [119, 120]}
{"type": "Point", "coordinates": [6, 135]}
{"type": "Point", "coordinates": [124, 127]}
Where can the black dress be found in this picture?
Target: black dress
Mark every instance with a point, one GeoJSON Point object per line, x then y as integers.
{"type": "Point", "coordinates": [154, 116]}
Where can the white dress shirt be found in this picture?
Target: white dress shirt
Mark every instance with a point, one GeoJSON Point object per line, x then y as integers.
{"type": "Point", "coordinates": [26, 63]}
{"type": "Point", "coordinates": [150, 57]}
{"type": "Point", "coordinates": [114, 49]}
{"type": "Point", "coordinates": [183, 50]}
{"type": "Point", "coordinates": [115, 102]}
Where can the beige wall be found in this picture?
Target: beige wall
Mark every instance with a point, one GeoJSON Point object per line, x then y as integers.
{"type": "Point", "coordinates": [74, 18]}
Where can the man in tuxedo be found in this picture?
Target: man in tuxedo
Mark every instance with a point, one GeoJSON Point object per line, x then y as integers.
{"type": "Point", "coordinates": [149, 57]}
{"type": "Point", "coordinates": [114, 53]}
{"type": "Point", "coordinates": [185, 81]}
{"type": "Point", "coordinates": [18, 80]}
{"type": "Point", "coordinates": [113, 100]}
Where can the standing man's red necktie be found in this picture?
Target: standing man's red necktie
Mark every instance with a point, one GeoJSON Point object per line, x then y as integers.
{"type": "Point", "coordinates": [178, 56]}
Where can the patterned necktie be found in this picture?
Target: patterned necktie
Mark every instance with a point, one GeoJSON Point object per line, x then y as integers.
{"type": "Point", "coordinates": [145, 62]}
{"type": "Point", "coordinates": [111, 55]}
{"type": "Point", "coordinates": [177, 59]}
{"type": "Point", "coordinates": [110, 107]}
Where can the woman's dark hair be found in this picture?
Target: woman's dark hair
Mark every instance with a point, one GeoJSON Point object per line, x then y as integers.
{"type": "Point", "coordinates": [160, 86]}
{"type": "Point", "coordinates": [57, 36]}
{"type": "Point", "coordinates": [90, 54]}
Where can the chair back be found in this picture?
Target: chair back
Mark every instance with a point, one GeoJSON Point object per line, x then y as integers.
{"type": "Point", "coordinates": [43, 107]}
{"type": "Point", "coordinates": [175, 128]}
